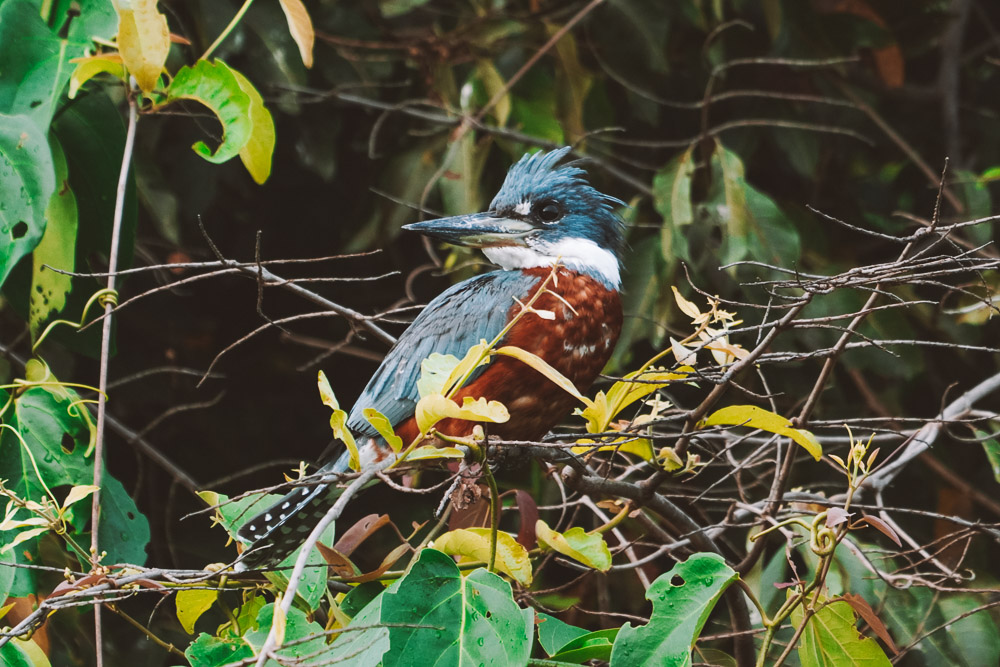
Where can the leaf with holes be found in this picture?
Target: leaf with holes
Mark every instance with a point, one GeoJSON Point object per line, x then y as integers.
{"type": "Point", "coordinates": [470, 620]}
{"type": "Point", "coordinates": [587, 548]}
{"type": "Point", "coordinates": [474, 544]}
{"type": "Point", "coordinates": [682, 600]}
{"type": "Point", "coordinates": [27, 181]}
{"type": "Point", "coordinates": [831, 638]}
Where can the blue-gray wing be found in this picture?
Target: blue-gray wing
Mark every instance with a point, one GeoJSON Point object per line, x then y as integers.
{"type": "Point", "coordinates": [456, 320]}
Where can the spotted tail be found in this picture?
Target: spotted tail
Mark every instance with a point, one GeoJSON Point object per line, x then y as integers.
{"type": "Point", "coordinates": [280, 529]}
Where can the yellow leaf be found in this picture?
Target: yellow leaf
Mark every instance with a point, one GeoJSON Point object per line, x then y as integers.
{"type": "Point", "coordinates": [640, 447]}
{"type": "Point", "coordinates": [671, 461]}
{"type": "Point", "coordinates": [473, 358]}
{"type": "Point", "coordinates": [687, 307]}
{"type": "Point", "coordinates": [191, 604]}
{"type": "Point", "coordinates": [587, 548]}
{"type": "Point", "coordinates": [435, 407]}
{"type": "Point", "coordinates": [545, 369]}
{"type": "Point", "coordinates": [474, 544]}
{"type": "Point", "coordinates": [279, 622]}
{"type": "Point", "coordinates": [257, 153]}
{"type": "Point", "coordinates": [338, 420]}
{"type": "Point", "coordinates": [326, 392]}
{"type": "Point", "coordinates": [301, 27]}
{"type": "Point", "coordinates": [78, 493]}
{"type": "Point", "coordinates": [384, 428]}
{"type": "Point", "coordinates": [683, 355]}
{"type": "Point", "coordinates": [753, 417]}
{"type": "Point", "coordinates": [90, 66]}
{"type": "Point", "coordinates": [428, 452]}
{"type": "Point", "coordinates": [21, 537]}
{"type": "Point", "coordinates": [435, 370]}
{"type": "Point", "coordinates": [143, 40]}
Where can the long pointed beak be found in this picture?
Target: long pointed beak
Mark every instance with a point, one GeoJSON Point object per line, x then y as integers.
{"type": "Point", "coordinates": [476, 230]}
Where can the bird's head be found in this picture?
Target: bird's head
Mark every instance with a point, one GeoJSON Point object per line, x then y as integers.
{"type": "Point", "coordinates": [542, 213]}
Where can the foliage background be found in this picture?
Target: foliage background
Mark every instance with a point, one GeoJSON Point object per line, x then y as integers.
{"type": "Point", "coordinates": [847, 106]}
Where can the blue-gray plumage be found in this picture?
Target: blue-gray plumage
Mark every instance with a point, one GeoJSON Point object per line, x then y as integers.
{"type": "Point", "coordinates": [542, 214]}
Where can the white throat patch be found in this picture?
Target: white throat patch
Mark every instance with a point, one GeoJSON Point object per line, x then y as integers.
{"type": "Point", "coordinates": [579, 254]}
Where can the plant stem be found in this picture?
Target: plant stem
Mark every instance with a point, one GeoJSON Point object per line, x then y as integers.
{"type": "Point", "coordinates": [494, 514]}
{"type": "Point", "coordinates": [102, 386]}
{"type": "Point", "coordinates": [229, 28]}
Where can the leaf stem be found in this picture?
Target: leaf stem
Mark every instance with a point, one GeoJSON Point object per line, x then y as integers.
{"type": "Point", "coordinates": [229, 28]}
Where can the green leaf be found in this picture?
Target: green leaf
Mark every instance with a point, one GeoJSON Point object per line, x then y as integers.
{"type": "Point", "coordinates": [233, 514]}
{"type": "Point", "coordinates": [215, 86]}
{"type": "Point", "coordinates": [27, 181]}
{"type": "Point", "coordinates": [191, 604]}
{"type": "Point", "coordinates": [553, 634]}
{"type": "Point", "coordinates": [473, 619]}
{"type": "Point", "coordinates": [297, 627]}
{"type": "Point", "coordinates": [57, 249]}
{"type": "Point", "coordinates": [209, 651]}
{"type": "Point", "coordinates": [89, 67]}
{"type": "Point", "coordinates": [831, 638]}
{"type": "Point", "coordinates": [752, 416]}
{"type": "Point", "coordinates": [381, 424]}
{"type": "Point", "coordinates": [474, 544]}
{"type": "Point", "coordinates": [587, 548]}
{"type": "Point", "coordinates": [23, 653]}
{"type": "Point", "coordinates": [672, 199]}
{"type": "Point", "coordinates": [258, 151]}
{"type": "Point", "coordinates": [682, 600]}
{"type": "Point", "coordinates": [596, 645]}
{"type": "Point", "coordinates": [393, 8]}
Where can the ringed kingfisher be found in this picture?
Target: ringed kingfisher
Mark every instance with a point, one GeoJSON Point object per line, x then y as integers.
{"type": "Point", "coordinates": [544, 214]}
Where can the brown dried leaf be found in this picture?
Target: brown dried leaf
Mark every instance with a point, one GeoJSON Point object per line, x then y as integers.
{"type": "Point", "coordinates": [881, 526]}
{"type": "Point", "coordinates": [340, 563]}
{"type": "Point", "coordinates": [360, 532]}
{"type": "Point", "coordinates": [528, 509]}
{"type": "Point", "coordinates": [865, 611]}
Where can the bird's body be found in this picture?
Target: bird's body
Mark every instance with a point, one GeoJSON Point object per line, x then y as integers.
{"type": "Point", "coordinates": [576, 336]}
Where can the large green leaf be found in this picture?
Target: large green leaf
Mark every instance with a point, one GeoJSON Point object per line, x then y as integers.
{"type": "Point", "coordinates": [34, 62]}
{"type": "Point", "coordinates": [831, 638]}
{"type": "Point", "coordinates": [553, 634]}
{"type": "Point", "coordinates": [208, 651]}
{"type": "Point", "coordinates": [56, 438]}
{"type": "Point", "coordinates": [682, 600]}
{"type": "Point", "coordinates": [465, 620]}
{"type": "Point", "coordinates": [27, 181]}
{"type": "Point", "coordinates": [672, 198]}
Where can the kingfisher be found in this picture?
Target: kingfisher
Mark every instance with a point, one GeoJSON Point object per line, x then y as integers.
{"type": "Point", "coordinates": [546, 218]}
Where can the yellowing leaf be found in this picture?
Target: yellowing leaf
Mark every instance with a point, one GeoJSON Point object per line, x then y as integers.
{"type": "Point", "coordinates": [215, 86]}
{"type": "Point", "coordinates": [90, 66]}
{"type": "Point", "coordinates": [257, 153]}
{"type": "Point", "coordinates": [301, 27]}
{"type": "Point", "coordinates": [191, 604]}
{"type": "Point", "coordinates": [545, 369]}
{"type": "Point", "coordinates": [474, 544]}
{"type": "Point", "coordinates": [326, 392]}
{"type": "Point", "coordinates": [435, 370]}
{"type": "Point", "coordinates": [687, 307]}
{"type": "Point", "coordinates": [683, 355]}
{"type": "Point", "coordinates": [587, 548]}
{"type": "Point", "coordinates": [475, 357]}
{"type": "Point", "coordinates": [143, 40]}
{"type": "Point", "coordinates": [384, 428]}
{"type": "Point", "coordinates": [22, 537]}
{"type": "Point", "coordinates": [600, 412]}
{"type": "Point", "coordinates": [279, 622]}
{"type": "Point", "coordinates": [78, 493]}
{"type": "Point", "coordinates": [753, 417]}
{"type": "Point", "coordinates": [671, 461]}
{"type": "Point", "coordinates": [428, 452]}
{"type": "Point", "coordinates": [435, 407]}
{"type": "Point", "coordinates": [831, 637]}
{"type": "Point", "coordinates": [640, 447]}
{"type": "Point", "coordinates": [338, 420]}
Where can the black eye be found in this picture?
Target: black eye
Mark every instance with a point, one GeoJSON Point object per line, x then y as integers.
{"type": "Point", "coordinates": [548, 211]}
